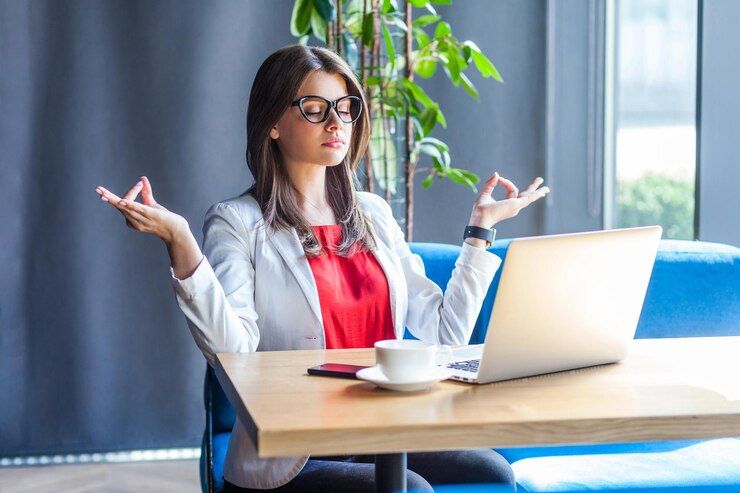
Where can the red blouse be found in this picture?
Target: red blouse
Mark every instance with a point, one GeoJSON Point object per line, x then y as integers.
{"type": "Point", "coordinates": [353, 294]}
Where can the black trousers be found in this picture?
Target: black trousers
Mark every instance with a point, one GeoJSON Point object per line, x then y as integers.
{"type": "Point", "coordinates": [356, 473]}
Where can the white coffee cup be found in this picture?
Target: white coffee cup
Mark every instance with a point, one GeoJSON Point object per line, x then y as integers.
{"type": "Point", "coordinates": [409, 359]}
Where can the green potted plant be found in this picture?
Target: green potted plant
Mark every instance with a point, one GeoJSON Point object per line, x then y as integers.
{"type": "Point", "coordinates": [388, 46]}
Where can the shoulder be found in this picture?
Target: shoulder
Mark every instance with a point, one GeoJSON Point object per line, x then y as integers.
{"type": "Point", "coordinates": [242, 209]}
{"type": "Point", "coordinates": [246, 210]}
{"type": "Point", "coordinates": [373, 203]}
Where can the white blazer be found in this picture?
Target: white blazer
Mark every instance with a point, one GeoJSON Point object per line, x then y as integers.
{"type": "Point", "coordinates": [236, 301]}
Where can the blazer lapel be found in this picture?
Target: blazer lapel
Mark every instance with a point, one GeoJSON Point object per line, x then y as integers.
{"type": "Point", "coordinates": [289, 247]}
{"type": "Point", "coordinates": [382, 255]}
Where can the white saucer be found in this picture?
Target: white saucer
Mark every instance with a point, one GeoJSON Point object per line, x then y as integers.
{"type": "Point", "coordinates": [374, 375]}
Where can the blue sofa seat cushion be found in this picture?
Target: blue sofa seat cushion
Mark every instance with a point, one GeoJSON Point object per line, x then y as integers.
{"type": "Point", "coordinates": [662, 464]}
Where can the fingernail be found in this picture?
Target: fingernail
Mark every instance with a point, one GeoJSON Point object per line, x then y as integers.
{"type": "Point", "coordinates": [103, 199]}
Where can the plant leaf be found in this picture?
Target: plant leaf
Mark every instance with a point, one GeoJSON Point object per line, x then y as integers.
{"type": "Point", "coordinates": [428, 120]}
{"type": "Point", "coordinates": [425, 20]}
{"type": "Point", "coordinates": [443, 29]}
{"type": "Point", "coordinates": [456, 176]}
{"type": "Point", "coordinates": [326, 9]}
{"type": "Point", "coordinates": [367, 29]}
{"type": "Point", "coordinates": [426, 68]}
{"type": "Point", "coordinates": [372, 80]}
{"type": "Point", "coordinates": [453, 64]}
{"type": "Point", "coordinates": [468, 86]}
{"type": "Point", "coordinates": [300, 19]}
{"type": "Point", "coordinates": [482, 63]}
{"type": "Point", "coordinates": [398, 22]}
{"type": "Point", "coordinates": [318, 25]}
{"type": "Point", "coordinates": [390, 49]}
{"type": "Point", "coordinates": [431, 150]}
{"type": "Point", "coordinates": [428, 181]}
{"type": "Point", "coordinates": [421, 37]}
{"type": "Point", "coordinates": [440, 145]}
{"type": "Point", "coordinates": [417, 92]}
{"type": "Point", "coordinates": [389, 6]}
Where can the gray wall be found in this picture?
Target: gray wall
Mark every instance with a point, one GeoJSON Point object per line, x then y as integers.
{"type": "Point", "coordinates": [94, 352]}
{"type": "Point", "coordinates": [719, 131]}
{"type": "Point", "coordinates": [502, 130]}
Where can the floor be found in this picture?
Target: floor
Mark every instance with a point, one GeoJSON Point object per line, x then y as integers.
{"type": "Point", "coordinates": [160, 476]}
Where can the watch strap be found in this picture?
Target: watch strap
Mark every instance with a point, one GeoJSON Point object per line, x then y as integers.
{"type": "Point", "coordinates": [477, 232]}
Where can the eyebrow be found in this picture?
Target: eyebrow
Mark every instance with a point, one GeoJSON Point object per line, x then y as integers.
{"type": "Point", "coordinates": [330, 99]}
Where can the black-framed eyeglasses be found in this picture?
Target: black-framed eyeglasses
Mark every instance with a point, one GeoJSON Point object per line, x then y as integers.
{"type": "Point", "coordinates": [316, 109]}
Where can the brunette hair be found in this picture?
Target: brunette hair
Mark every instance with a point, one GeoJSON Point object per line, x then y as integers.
{"type": "Point", "coordinates": [275, 87]}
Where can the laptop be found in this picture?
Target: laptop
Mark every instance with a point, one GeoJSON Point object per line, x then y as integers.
{"type": "Point", "coordinates": [564, 301]}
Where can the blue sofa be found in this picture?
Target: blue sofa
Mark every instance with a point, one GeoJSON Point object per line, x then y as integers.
{"type": "Point", "coordinates": [694, 290]}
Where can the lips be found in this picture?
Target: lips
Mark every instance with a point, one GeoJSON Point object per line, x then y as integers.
{"type": "Point", "coordinates": [334, 140]}
{"type": "Point", "coordinates": [333, 144]}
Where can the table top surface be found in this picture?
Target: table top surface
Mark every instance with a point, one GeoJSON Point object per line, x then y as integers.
{"type": "Point", "coordinates": [666, 389]}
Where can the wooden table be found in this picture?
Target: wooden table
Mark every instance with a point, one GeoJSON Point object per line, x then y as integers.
{"type": "Point", "coordinates": [667, 389]}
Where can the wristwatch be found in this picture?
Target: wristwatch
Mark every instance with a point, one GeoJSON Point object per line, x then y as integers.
{"type": "Point", "coordinates": [477, 232]}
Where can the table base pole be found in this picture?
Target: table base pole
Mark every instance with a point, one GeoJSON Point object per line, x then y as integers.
{"type": "Point", "coordinates": [390, 473]}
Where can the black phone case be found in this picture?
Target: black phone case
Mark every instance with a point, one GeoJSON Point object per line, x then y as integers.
{"type": "Point", "coordinates": [338, 370]}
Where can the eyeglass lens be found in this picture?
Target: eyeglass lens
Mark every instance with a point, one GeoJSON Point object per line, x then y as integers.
{"type": "Point", "coordinates": [348, 108]}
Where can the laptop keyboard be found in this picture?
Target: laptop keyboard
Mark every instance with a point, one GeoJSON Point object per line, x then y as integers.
{"type": "Point", "coordinates": [470, 365]}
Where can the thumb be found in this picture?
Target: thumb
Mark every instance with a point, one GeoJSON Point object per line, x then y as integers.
{"type": "Point", "coordinates": [490, 184]}
{"type": "Point", "coordinates": [147, 196]}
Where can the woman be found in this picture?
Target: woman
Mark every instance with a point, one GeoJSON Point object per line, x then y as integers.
{"type": "Point", "coordinates": [302, 260]}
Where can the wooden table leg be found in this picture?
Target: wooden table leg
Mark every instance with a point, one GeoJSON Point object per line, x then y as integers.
{"type": "Point", "coordinates": [390, 473]}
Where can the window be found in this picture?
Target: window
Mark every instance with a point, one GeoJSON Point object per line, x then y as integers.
{"type": "Point", "coordinates": [650, 110]}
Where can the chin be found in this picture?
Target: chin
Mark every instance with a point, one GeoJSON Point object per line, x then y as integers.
{"type": "Point", "coordinates": [331, 161]}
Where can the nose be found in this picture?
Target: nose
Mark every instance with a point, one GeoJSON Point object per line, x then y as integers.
{"type": "Point", "coordinates": [334, 122]}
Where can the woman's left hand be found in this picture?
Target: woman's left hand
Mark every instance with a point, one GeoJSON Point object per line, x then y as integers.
{"type": "Point", "coordinates": [487, 211]}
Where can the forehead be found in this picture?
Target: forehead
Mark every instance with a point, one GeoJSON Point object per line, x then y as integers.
{"type": "Point", "coordinates": [319, 83]}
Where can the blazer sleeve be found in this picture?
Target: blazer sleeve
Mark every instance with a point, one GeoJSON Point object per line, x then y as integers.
{"type": "Point", "coordinates": [449, 317]}
{"type": "Point", "coordinates": [218, 298]}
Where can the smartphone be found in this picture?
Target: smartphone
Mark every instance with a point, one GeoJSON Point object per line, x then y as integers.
{"type": "Point", "coordinates": [336, 370]}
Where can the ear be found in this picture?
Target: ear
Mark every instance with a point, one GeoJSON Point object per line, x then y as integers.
{"type": "Point", "coordinates": [274, 133]}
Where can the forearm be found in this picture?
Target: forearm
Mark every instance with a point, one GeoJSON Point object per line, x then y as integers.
{"type": "Point", "coordinates": [185, 254]}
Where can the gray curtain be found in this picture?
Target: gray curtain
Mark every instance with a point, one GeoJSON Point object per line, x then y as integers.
{"type": "Point", "coordinates": [95, 355]}
{"type": "Point", "coordinates": [94, 352]}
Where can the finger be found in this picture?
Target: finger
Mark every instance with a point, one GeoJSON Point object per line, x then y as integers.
{"type": "Point", "coordinates": [536, 183]}
{"type": "Point", "coordinates": [108, 196]}
{"type": "Point", "coordinates": [147, 196]}
{"type": "Point", "coordinates": [131, 194]}
{"type": "Point", "coordinates": [533, 196]}
{"type": "Point", "coordinates": [513, 192]}
{"type": "Point", "coordinates": [132, 213]}
{"type": "Point", "coordinates": [490, 184]}
{"type": "Point", "coordinates": [137, 208]}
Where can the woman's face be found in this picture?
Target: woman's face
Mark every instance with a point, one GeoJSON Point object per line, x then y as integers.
{"type": "Point", "coordinates": [302, 142]}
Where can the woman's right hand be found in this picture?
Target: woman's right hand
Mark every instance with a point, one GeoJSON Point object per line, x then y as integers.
{"type": "Point", "coordinates": [147, 216]}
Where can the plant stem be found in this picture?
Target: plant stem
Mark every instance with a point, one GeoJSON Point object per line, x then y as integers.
{"type": "Point", "coordinates": [409, 175]}
{"type": "Point", "coordinates": [340, 45]}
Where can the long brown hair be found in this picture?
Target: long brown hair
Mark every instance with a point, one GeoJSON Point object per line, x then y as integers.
{"type": "Point", "coordinates": [275, 86]}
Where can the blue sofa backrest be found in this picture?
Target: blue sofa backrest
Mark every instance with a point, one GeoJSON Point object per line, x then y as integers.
{"type": "Point", "coordinates": [694, 290]}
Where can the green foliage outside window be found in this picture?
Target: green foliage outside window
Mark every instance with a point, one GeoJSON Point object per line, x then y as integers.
{"type": "Point", "coordinates": [657, 199]}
